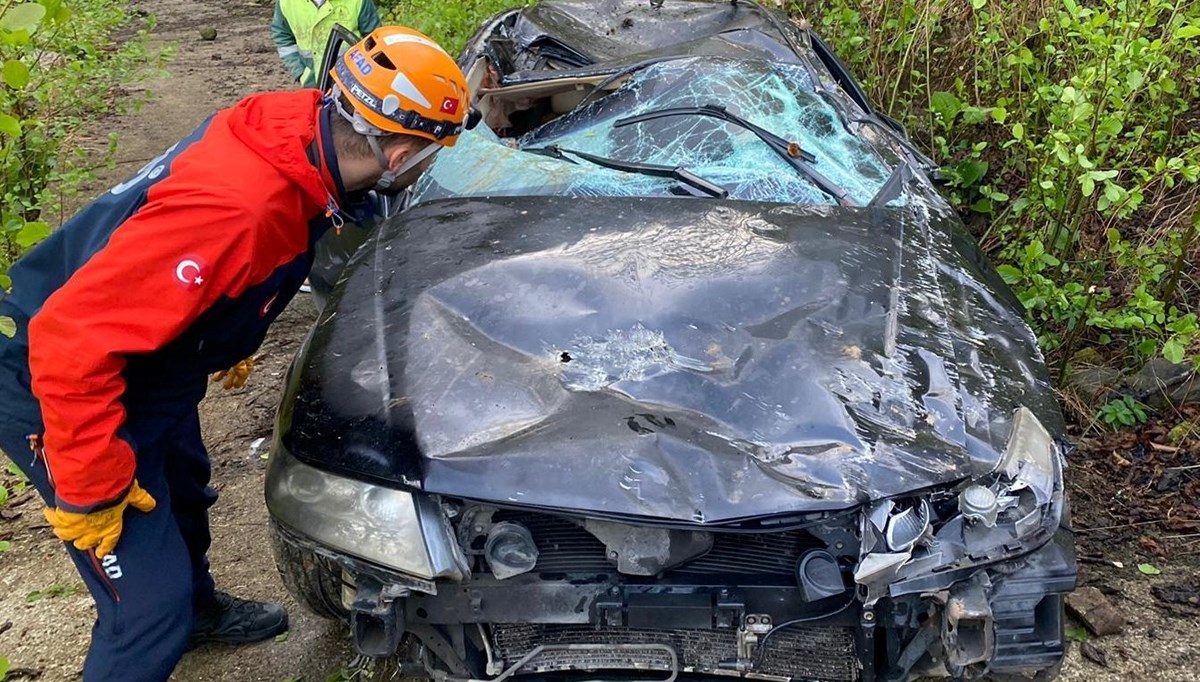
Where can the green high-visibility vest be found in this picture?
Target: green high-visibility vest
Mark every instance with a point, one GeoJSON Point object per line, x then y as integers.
{"type": "Point", "coordinates": [312, 25]}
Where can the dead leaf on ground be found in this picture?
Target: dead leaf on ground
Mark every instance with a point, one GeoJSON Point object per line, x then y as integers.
{"type": "Point", "coordinates": [1184, 593]}
{"type": "Point", "coordinates": [1095, 654]}
{"type": "Point", "coordinates": [1150, 545]}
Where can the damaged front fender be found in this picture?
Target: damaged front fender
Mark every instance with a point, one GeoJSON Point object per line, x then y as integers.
{"type": "Point", "coordinates": [948, 534]}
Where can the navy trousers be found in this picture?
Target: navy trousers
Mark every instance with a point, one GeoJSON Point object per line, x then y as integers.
{"type": "Point", "coordinates": [147, 589]}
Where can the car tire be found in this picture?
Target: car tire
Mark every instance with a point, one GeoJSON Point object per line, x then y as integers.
{"type": "Point", "coordinates": [311, 579]}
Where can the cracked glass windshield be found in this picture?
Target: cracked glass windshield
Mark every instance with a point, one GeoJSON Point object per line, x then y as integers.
{"type": "Point", "coordinates": [778, 97]}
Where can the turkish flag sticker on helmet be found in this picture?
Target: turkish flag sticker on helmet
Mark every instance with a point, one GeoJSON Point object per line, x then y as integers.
{"type": "Point", "coordinates": [449, 105]}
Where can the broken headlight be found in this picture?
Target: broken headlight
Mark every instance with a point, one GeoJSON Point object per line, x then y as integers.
{"type": "Point", "coordinates": [910, 544]}
{"type": "Point", "coordinates": [393, 528]}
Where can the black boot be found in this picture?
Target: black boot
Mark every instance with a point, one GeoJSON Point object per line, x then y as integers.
{"type": "Point", "coordinates": [233, 620]}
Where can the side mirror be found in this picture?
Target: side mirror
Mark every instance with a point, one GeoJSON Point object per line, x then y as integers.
{"type": "Point", "coordinates": [474, 116]}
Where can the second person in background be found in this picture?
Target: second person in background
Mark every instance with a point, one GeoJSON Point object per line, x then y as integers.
{"type": "Point", "coordinates": [301, 28]}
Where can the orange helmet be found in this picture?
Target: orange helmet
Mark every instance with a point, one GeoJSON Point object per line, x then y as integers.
{"type": "Point", "coordinates": [400, 81]}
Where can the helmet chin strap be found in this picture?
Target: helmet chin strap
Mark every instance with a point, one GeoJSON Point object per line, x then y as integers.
{"type": "Point", "coordinates": [389, 176]}
{"type": "Point", "coordinates": [362, 127]}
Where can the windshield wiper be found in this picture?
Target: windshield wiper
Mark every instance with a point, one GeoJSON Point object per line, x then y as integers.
{"type": "Point", "coordinates": [552, 151]}
{"type": "Point", "coordinates": [695, 185]}
{"type": "Point", "coordinates": [791, 152]}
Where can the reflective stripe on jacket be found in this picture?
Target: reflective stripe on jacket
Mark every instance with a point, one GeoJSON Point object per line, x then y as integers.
{"type": "Point", "coordinates": [300, 30]}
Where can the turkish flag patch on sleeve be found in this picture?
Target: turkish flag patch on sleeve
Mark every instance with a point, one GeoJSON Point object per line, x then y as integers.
{"type": "Point", "coordinates": [449, 105]}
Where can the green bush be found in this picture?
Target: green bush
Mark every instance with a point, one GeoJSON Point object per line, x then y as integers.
{"type": "Point", "coordinates": [1123, 411]}
{"type": "Point", "coordinates": [59, 68]}
{"type": "Point", "coordinates": [1069, 133]}
{"type": "Point", "coordinates": [451, 24]}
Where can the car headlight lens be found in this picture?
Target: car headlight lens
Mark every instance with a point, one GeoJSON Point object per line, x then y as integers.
{"type": "Point", "coordinates": [392, 528]}
{"type": "Point", "coordinates": [1029, 479]}
{"type": "Point", "coordinates": [1010, 511]}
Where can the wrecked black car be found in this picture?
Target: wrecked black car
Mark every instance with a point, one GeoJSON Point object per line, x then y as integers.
{"type": "Point", "coordinates": [678, 366]}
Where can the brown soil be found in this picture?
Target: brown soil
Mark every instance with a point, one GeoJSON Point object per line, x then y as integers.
{"type": "Point", "coordinates": [50, 636]}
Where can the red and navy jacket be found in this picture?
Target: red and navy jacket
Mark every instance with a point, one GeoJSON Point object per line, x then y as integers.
{"type": "Point", "coordinates": [176, 273]}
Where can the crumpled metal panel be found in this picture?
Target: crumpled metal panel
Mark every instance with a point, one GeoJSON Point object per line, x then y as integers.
{"type": "Point", "coordinates": [609, 30]}
{"type": "Point", "coordinates": [543, 333]}
{"type": "Point", "coordinates": [690, 360]}
{"type": "Point", "coordinates": [779, 97]}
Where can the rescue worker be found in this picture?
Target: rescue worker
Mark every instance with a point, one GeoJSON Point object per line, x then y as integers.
{"type": "Point", "coordinates": [301, 28]}
{"type": "Point", "coordinates": [174, 274]}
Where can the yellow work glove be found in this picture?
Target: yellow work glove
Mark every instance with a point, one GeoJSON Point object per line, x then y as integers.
{"type": "Point", "coordinates": [235, 377]}
{"type": "Point", "coordinates": [99, 529]}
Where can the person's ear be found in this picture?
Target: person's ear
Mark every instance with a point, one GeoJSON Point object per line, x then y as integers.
{"type": "Point", "coordinates": [400, 152]}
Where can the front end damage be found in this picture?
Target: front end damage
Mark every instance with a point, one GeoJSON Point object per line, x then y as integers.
{"type": "Point", "coordinates": [962, 582]}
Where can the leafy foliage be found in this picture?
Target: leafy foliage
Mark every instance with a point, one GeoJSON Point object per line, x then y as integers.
{"type": "Point", "coordinates": [18, 487]}
{"type": "Point", "coordinates": [59, 68]}
{"type": "Point", "coordinates": [52, 592]}
{"type": "Point", "coordinates": [22, 482]}
{"type": "Point", "coordinates": [1069, 134]}
{"type": "Point", "coordinates": [1124, 411]}
{"type": "Point", "coordinates": [1076, 633]}
{"type": "Point", "coordinates": [451, 24]}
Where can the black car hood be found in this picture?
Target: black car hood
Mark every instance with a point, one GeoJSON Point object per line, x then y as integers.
{"type": "Point", "coordinates": [687, 360]}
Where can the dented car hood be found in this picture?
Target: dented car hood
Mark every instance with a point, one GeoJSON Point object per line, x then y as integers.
{"type": "Point", "coordinates": [686, 360]}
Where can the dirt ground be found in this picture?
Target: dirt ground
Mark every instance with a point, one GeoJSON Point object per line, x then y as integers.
{"type": "Point", "coordinates": [47, 636]}
{"type": "Point", "coordinates": [50, 635]}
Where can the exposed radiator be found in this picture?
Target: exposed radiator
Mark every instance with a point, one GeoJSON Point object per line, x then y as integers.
{"type": "Point", "coordinates": [564, 547]}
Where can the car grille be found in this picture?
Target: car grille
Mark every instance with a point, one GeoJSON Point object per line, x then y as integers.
{"type": "Point", "coordinates": [814, 653]}
{"type": "Point", "coordinates": [564, 547]}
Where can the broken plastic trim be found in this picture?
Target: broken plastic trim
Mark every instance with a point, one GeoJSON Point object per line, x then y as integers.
{"type": "Point", "coordinates": [791, 152]}
{"type": "Point", "coordinates": [968, 627]}
{"type": "Point", "coordinates": [1027, 481]}
{"type": "Point", "coordinates": [377, 618]}
{"type": "Point", "coordinates": [915, 156]}
{"type": "Point", "coordinates": [893, 188]}
{"type": "Point", "coordinates": [685, 177]}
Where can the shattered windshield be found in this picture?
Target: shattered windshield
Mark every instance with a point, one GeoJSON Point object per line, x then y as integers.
{"type": "Point", "coordinates": [775, 96]}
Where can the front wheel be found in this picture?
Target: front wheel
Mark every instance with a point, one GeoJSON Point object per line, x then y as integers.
{"type": "Point", "coordinates": [313, 580]}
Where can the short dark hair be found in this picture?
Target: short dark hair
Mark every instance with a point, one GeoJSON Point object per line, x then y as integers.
{"type": "Point", "coordinates": [346, 139]}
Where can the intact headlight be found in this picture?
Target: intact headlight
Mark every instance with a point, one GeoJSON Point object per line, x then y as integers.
{"type": "Point", "coordinates": [393, 528]}
{"type": "Point", "coordinates": [1012, 510]}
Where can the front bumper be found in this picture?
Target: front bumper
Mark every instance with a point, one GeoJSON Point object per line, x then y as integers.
{"type": "Point", "coordinates": [569, 614]}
